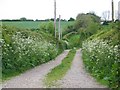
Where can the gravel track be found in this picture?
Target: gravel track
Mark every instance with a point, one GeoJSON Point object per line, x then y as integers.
{"type": "Point", "coordinates": [34, 78]}
{"type": "Point", "coordinates": [77, 77]}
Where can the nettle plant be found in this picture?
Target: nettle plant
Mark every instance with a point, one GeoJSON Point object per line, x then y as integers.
{"type": "Point", "coordinates": [21, 51]}
{"type": "Point", "coordinates": [102, 60]}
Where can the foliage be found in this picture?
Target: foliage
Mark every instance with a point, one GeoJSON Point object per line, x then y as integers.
{"type": "Point", "coordinates": [69, 29]}
{"type": "Point", "coordinates": [58, 72]}
{"type": "Point", "coordinates": [71, 19]}
{"type": "Point", "coordinates": [84, 20]}
{"type": "Point", "coordinates": [23, 49]}
{"type": "Point", "coordinates": [87, 25]}
{"type": "Point", "coordinates": [118, 25]}
{"type": "Point", "coordinates": [101, 57]}
{"type": "Point", "coordinates": [73, 40]}
{"type": "Point", "coordinates": [47, 27]}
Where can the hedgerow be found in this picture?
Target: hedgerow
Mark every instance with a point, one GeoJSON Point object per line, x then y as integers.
{"type": "Point", "coordinates": [101, 57]}
{"type": "Point", "coordinates": [24, 49]}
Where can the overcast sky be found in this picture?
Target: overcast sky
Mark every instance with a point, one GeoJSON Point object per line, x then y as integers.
{"type": "Point", "coordinates": [43, 9]}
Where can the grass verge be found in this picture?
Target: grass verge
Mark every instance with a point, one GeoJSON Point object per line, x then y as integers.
{"type": "Point", "coordinates": [58, 72]}
{"type": "Point", "coordinates": [103, 82]}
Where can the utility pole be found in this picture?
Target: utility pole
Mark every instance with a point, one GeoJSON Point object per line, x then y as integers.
{"type": "Point", "coordinates": [59, 28]}
{"type": "Point", "coordinates": [55, 17]}
{"type": "Point", "coordinates": [119, 10]}
{"type": "Point", "coordinates": [61, 33]}
{"type": "Point", "coordinates": [112, 10]}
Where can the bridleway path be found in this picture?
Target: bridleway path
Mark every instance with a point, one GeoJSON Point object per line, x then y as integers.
{"type": "Point", "coordinates": [34, 78]}
{"type": "Point", "coordinates": [77, 77]}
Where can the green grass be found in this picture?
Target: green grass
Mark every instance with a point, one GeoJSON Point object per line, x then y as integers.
{"type": "Point", "coordinates": [112, 36]}
{"type": "Point", "coordinates": [9, 76]}
{"type": "Point", "coordinates": [74, 41]}
{"type": "Point", "coordinates": [58, 72]}
{"type": "Point", "coordinates": [34, 24]}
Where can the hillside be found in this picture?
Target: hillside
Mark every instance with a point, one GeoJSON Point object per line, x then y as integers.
{"type": "Point", "coordinates": [23, 49]}
{"type": "Point", "coordinates": [101, 57]}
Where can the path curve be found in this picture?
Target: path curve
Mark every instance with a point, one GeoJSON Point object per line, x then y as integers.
{"type": "Point", "coordinates": [77, 77]}
{"type": "Point", "coordinates": [34, 78]}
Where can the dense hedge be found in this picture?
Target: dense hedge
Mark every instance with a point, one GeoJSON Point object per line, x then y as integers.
{"type": "Point", "coordinates": [23, 49]}
{"type": "Point", "coordinates": [101, 56]}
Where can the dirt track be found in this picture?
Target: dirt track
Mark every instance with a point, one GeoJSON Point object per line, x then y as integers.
{"type": "Point", "coordinates": [77, 77]}
{"type": "Point", "coordinates": [34, 78]}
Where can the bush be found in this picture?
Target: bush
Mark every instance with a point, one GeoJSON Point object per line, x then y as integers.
{"type": "Point", "coordinates": [101, 57]}
{"type": "Point", "coordinates": [25, 49]}
{"type": "Point", "coordinates": [85, 25]}
{"type": "Point", "coordinates": [47, 27]}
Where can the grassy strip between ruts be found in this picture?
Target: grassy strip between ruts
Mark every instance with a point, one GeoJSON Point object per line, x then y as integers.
{"type": "Point", "coordinates": [58, 72]}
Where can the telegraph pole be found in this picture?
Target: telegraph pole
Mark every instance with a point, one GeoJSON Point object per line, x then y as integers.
{"type": "Point", "coordinates": [61, 33]}
{"type": "Point", "coordinates": [55, 17]}
{"type": "Point", "coordinates": [112, 10]}
{"type": "Point", "coordinates": [59, 28]}
{"type": "Point", "coordinates": [119, 10]}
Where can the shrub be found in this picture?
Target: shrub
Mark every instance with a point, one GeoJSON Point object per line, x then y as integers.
{"type": "Point", "coordinates": [23, 49]}
{"type": "Point", "coordinates": [101, 57]}
{"type": "Point", "coordinates": [47, 27]}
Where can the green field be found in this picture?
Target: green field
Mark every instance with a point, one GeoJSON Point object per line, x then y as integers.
{"type": "Point", "coordinates": [34, 24]}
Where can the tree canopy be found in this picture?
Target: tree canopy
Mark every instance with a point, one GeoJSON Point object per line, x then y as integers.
{"type": "Point", "coordinates": [87, 25]}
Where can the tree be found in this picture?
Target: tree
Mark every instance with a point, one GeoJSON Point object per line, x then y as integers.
{"type": "Point", "coordinates": [63, 20]}
{"type": "Point", "coordinates": [23, 19]}
{"type": "Point", "coordinates": [52, 19]}
{"type": "Point", "coordinates": [84, 20]}
{"type": "Point", "coordinates": [106, 15]}
{"type": "Point", "coordinates": [71, 19]}
{"type": "Point", "coordinates": [57, 19]}
{"type": "Point", "coordinates": [87, 25]}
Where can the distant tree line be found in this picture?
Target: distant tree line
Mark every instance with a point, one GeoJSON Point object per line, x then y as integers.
{"type": "Point", "coordinates": [51, 19]}
{"type": "Point", "coordinates": [71, 19]}
{"type": "Point", "coordinates": [25, 19]}
{"type": "Point", "coordinates": [21, 19]}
